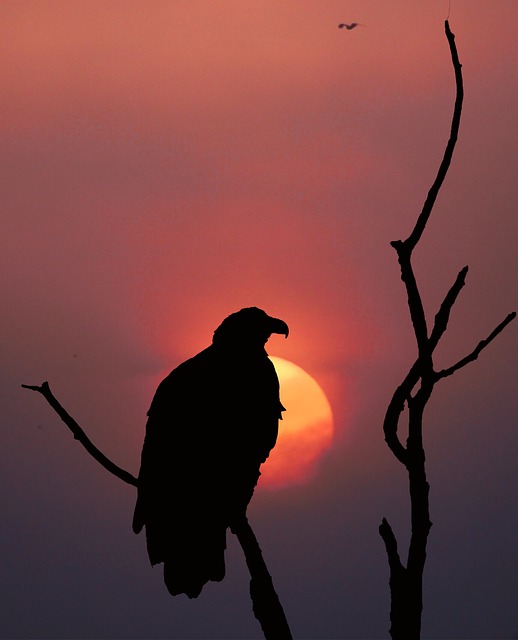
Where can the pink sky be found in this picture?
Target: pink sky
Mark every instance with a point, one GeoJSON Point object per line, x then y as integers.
{"type": "Point", "coordinates": [166, 163]}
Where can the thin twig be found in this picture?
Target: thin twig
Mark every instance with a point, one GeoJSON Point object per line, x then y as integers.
{"type": "Point", "coordinates": [476, 351]}
{"type": "Point", "coordinates": [80, 435]}
{"type": "Point", "coordinates": [391, 546]}
{"type": "Point", "coordinates": [443, 315]}
{"type": "Point", "coordinates": [416, 234]}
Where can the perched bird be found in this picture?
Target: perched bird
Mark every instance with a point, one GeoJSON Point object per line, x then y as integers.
{"type": "Point", "coordinates": [212, 422]}
{"type": "Point", "coordinates": [353, 25]}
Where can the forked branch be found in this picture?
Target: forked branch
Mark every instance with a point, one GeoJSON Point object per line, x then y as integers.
{"type": "Point", "coordinates": [413, 394]}
{"type": "Point", "coordinates": [404, 248]}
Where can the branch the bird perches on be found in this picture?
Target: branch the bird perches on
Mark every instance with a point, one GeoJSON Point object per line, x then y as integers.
{"type": "Point", "coordinates": [266, 605]}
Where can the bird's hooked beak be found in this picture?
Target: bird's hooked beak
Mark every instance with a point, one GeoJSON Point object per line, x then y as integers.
{"type": "Point", "coordinates": [278, 326]}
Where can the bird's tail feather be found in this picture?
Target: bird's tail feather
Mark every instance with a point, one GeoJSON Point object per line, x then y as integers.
{"type": "Point", "coordinates": [190, 577]}
{"type": "Point", "coordinates": [188, 569]}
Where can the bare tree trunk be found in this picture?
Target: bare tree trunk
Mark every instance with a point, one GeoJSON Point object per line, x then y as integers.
{"type": "Point", "coordinates": [406, 582]}
{"type": "Point", "coordinates": [266, 605]}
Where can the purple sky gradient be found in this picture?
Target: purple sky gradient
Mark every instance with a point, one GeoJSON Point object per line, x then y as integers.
{"type": "Point", "coordinates": [164, 164]}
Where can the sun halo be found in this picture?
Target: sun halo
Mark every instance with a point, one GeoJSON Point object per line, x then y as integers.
{"type": "Point", "coordinates": [305, 432]}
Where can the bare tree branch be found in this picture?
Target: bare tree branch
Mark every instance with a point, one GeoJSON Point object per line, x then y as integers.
{"type": "Point", "coordinates": [394, 411]}
{"type": "Point", "coordinates": [416, 234]}
{"type": "Point", "coordinates": [398, 577]}
{"type": "Point", "coordinates": [406, 598]}
{"type": "Point", "coordinates": [80, 435]}
{"type": "Point", "coordinates": [265, 601]}
{"type": "Point", "coordinates": [415, 304]}
{"type": "Point", "coordinates": [404, 248]}
{"type": "Point", "coordinates": [391, 546]}
{"type": "Point", "coordinates": [406, 582]}
{"type": "Point", "coordinates": [443, 315]}
{"type": "Point", "coordinates": [403, 392]}
{"type": "Point", "coordinates": [476, 351]}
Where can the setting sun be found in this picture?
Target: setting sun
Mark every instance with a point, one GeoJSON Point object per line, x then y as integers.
{"type": "Point", "coordinates": [305, 432]}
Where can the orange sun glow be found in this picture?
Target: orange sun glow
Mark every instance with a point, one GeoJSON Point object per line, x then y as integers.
{"type": "Point", "coordinates": [305, 432]}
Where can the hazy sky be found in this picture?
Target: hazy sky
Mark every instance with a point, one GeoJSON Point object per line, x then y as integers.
{"type": "Point", "coordinates": [165, 163]}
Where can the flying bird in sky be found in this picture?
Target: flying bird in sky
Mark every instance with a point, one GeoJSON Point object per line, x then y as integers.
{"type": "Point", "coordinates": [212, 422]}
{"type": "Point", "coordinates": [353, 25]}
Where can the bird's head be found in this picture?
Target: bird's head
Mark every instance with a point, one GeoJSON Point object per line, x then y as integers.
{"type": "Point", "coordinates": [249, 328]}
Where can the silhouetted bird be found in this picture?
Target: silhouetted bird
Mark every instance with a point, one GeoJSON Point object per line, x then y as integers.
{"type": "Point", "coordinates": [212, 422]}
{"type": "Point", "coordinates": [353, 25]}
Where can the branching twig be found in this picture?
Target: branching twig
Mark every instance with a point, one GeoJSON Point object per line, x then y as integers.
{"type": "Point", "coordinates": [404, 248]}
